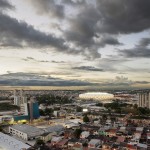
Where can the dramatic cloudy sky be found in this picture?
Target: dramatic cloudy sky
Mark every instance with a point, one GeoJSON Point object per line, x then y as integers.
{"type": "Point", "coordinates": [75, 42]}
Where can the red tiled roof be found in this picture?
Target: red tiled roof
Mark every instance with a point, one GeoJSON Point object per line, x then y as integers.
{"type": "Point", "coordinates": [131, 147]}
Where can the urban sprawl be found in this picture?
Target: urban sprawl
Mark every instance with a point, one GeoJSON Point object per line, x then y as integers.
{"type": "Point", "coordinates": [74, 120]}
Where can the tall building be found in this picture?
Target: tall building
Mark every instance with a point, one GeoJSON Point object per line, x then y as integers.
{"type": "Point", "coordinates": [19, 97]}
{"type": "Point", "coordinates": [33, 108]}
{"type": "Point", "coordinates": [144, 100]}
{"type": "Point", "coordinates": [29, 111]}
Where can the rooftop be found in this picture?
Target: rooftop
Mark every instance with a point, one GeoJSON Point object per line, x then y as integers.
{"type": "Point", "coordinates": [9, 143]}
{"type": "Point", "coordinates": [31, 131]}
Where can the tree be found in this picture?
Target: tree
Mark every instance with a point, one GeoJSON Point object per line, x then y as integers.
{"type": "Point", "coordinates": [104, 117]}
{"type": "Point", "coordinates": [48, 111]}
{"type": "Point", "coordinates": [42, 113]}
{"type": "Point", "coordinates": [86, 119]}
{"type": "Point", "coordinates": [78, 109]}
{"type": "Point", "coordinates": [39, 142]}
{"type": "Point", "coordinates": [77, 133]}
{"type": "Point", "coordinates": [135, 106]}
{"type": "Point", "coordinates": [85, 144]}
{"type": "Point", "coordinates": [143, 111]}
{"type": "Point", "coordinates": [99, 104]}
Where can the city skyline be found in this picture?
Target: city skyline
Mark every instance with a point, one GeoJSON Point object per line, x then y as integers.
{"type": "Point", "coordinates": [102, 43]}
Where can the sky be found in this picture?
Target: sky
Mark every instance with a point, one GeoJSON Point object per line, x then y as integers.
{"type": "Point", "coordinates": [104, 43]}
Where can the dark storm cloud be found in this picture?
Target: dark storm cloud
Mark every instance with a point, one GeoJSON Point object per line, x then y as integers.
{"type": "Point", "coordinates": [43, 61]}
{"type": "Point", "coordinates": [141, 50]}
{"type": "Point", "coordinates": [83, 33]}
{"type": "Point", "coordinates": [138, 52]}
{"type": "Point", "coordinates": [108, 40]}
{"type": "Point", "coordinates": [57, 62]}
{"type": "Point", "coordinates": [88, 68]}
{"type": "Point", "coordinates": [125, 16]}
{"type": "Point", "coordinates": [4, 4]}
{"type": "Point", "coordinates": [21, 32]}
{"type": "Point", "coordinates": [74, 2]}
{"type": "Point", "coordinates": [144, 42]}
{"type": "Point", "coordinates": [33, 79]}
{"type": "Point", "coordinates": [110, 17]}
{"type": "Point", "coordinates": [142, 82]}
{"type": "Point", "coordinates": [94, 25]}
{"type": "Point", "coordinates": [48, 7]}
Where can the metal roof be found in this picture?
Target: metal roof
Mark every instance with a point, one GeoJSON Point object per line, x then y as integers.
{"type": "Point", "coordinates": [9, 143]}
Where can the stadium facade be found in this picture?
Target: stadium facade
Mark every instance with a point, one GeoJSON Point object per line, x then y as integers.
{"type": "Point", "coordinates": [98, 96]}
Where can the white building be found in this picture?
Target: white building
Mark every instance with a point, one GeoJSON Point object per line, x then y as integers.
{"type": "Point", "coordinates": [9, 143]}
{"type": "Point", "coordinates": [56, 139]}
{"type": "Point", "coordinates": [144, 100]}
{"type": "Point", "coordinates": [94, 143]}
{"type": "Point", "coordinates": [19, 97]}
{"type": "Point", "coordinates": [24, 109]}
{"type": "Point", "coordinates": [25, 131]}
{"type": "Point", "coordinates": [84, 134]}
{"type": "Point", "coordinates": [99, 96]}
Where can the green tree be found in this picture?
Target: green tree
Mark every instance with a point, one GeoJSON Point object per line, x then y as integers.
{"type": "Point", "coordinates": [48, 111]}
{"type": "Point", "coordinates": [7, 106]}
{"type": "Point", "coordinates": [104, 117]}
{"type": "Point", "coordinates": [143, 111]}
{"type": "Point", "coordinates": [77, 133]}
{"type": "Point", "coordinates": [85, 144]}
{"type": "Point", "coordinates": [42, 113]}
{"type": "Point", "coordinates": [99, 104]}
{"type": "Point", "coordinates": [39, 142]}
{"type": "Point", "coordinates": [135, 106]}
{"type": "Point", "coordinates": [78, 109]}
{"type": "Point", "coordinates": [86, 119]}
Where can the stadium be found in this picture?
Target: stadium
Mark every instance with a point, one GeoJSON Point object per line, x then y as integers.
{"type": "Point", "coordinates": [98, 96]}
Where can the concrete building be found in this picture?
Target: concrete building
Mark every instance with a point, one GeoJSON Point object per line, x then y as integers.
{"type": "Point", "coordinates": [144, 100]}
{"type": "Point", "coordinates": [94, 143]}
{"type": "Point", "coordinates": [84, 134]}
{"type": "Point", "coordinates": [25, 132]}
{"type": "Point", "coordinates": [19, 97]}
{"type": "Point", "coordinates": [24, 109]}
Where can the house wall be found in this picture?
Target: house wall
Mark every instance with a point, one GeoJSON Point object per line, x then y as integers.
{"type": "Point", "coordinates": [18, 133]}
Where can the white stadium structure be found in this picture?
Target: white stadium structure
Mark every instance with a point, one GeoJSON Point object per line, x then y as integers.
{"type": "Point", "coordinates": [99, 96]}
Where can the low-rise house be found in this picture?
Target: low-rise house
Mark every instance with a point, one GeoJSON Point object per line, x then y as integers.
{"type": "Point", "coordinates": [111, 132]}
{"type": "Point", "coordinates": [131, 147]}
{"type": "Point", "coordinates": [101, 131]}
{"type": "Point", "coordinates": [47, 136]}
{"type": "Point", "coordinates": [84, 134]}
{"type": "Point", "coordinates": [120, 139]}
{"type": "Point", "coordinates": [77, 147]}
{"type": "Point", "coordinates": [71, 125]}
{"type": "Point", "coordinates": [94, 143]}
{"type": "Point", "coordinates": [139, 129]}
{"type": "Point", "coordinates": [141, 146]}
{"type": "Point", "coordinates": [72, 141]}
{"type": "Point", "coordinates": [82, 142]}
{"type": "Point", "coordinates": [106, 146]}
{"type": "Point", "coordinates": [89, 128]}
{"type": "Point", "coordinates": [62, 144]}
{"type": "Point", "coordinates": [56, 139]}
{"type": "Point", "coordinates": [122, 129]}
{"type": "Point", "coordinates": [68, 133]}
{"type": "Point", "coordinates": [133, 141]}
{"type": "Point", "coordinates": [56, 128]}
{"type": "Point", "coordinates": [137, 134]}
